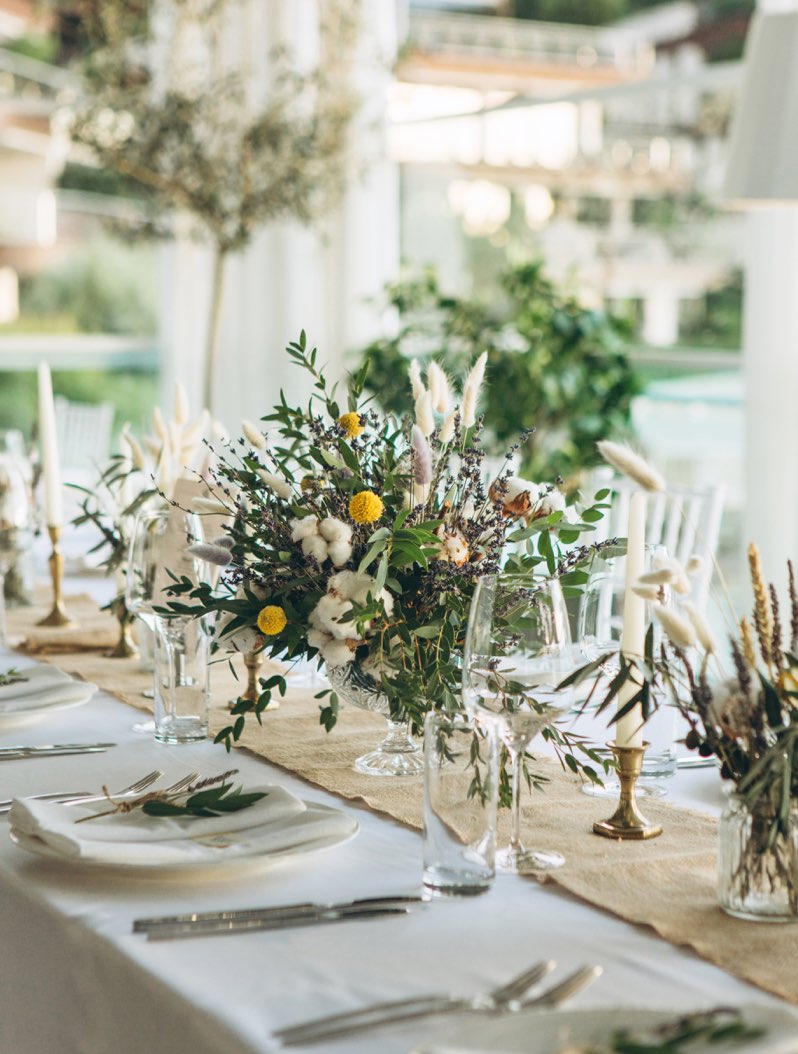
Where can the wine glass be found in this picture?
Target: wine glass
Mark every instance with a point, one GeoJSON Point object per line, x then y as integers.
{"type": "Point", "coordinates": [159, 540]}
{"type": "Point", "coordinates": [15, 527]}
{"type": "Point", "coordinates": [517, 650]}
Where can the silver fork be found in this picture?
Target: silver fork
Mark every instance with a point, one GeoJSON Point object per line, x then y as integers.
{"type": "Point", "coordinates": [182, 783]}
{"type": "Point", "coordinates": [552, 997]}
{"type": "Point", "coordinates": [415, 1007]}
{"type": "Point", "coordinates": [70, 798]}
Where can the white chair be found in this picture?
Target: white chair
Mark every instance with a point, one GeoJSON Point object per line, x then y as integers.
{"type": "Point", "coordinates": [84, 435]}
{"type": "Point", "coordinates": [686, 520]}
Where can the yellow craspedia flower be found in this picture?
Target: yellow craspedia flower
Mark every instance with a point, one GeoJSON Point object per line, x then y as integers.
{"type": "Point", "coordinates": [272, 620]}
{"type": "Point", "coordinates": [351, 425]}
{"type": "Point", "coordinates": [366, 507]}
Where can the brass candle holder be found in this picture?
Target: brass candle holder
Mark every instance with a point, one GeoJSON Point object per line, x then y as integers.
{"type": "Point", "coordinates": [58, 615]}
{"type": "Point", "coordinates": [253, 660]}
{"type": "Point", "coordinates": [125, 647]}
{"type": "Point", "coordinates": [627, 822]}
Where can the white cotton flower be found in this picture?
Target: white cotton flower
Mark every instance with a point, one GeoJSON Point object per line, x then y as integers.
{"type": "Point", "coordinates": [181, 404]}
{"type": "Point", "coordinates": [329, 611]}
{"type": "Point", "coordinates": [253, 435]}
{"type": "Point", "coordinates": [276, 484]}
{"type": "Point", "coordinates": [335, 530]}
{"type": "Point", "coordinates": [680, 632]}
{"type": "Point", "coordinates": [243, 639]}
{"type": "Point", "coordinates": [337, 653]}
{"type": "Point", "coordinates": [447, 428]}
{"type": "Point", "coordinates": [344, 583]}
{"type": "Point", "coordinates": [424, 416]}
{"type": "Point", "coordinates": [314, 546]}
{"type": "Point", "coordinates": [516, 487]}
{"type": "Point", "coordinates": [630, 464]}
{"type": "Point", "coordinates": [550, 502]}
{"type": "Point", "coordinates": [454, 548]}
{"type": "Point", "coordinates": [303, 528]}
{"type": "Point", "coordinates": [706, 637]}
{"type": "Point", "coordinates": [416, 383]}
{"type": "Point", "coordinates": [339, 552]}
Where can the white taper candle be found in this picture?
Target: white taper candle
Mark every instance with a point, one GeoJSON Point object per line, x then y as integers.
{"type": "Point", "coordinates": [629, 728]}
{"type": "Point", "coordinates": [48, 440]}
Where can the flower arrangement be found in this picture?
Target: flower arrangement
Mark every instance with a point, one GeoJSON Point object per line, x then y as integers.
{"type": "Point", "coordinates": [748, 719]}
{"type": "Point", "coordinates": [357, 540]}
{"type": "Point", "coordinates": [148, 466]}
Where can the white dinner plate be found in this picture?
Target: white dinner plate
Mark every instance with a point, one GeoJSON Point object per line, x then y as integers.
{"type": "Point", "coordinates": [54, 695]}
{"type": "Point", "coordinates": [552, 1031]}
{"type": "Point", "coordinates": [252, 846]}
{"type": "Point", "coordinates": [36, 679]}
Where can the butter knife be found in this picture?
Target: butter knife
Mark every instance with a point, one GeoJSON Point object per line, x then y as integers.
{"type": "Point", "coordinates": [52, 750]}
{"type": "Point", "coordinates": [320, 918]}
{"type": "Point", "coordinates": [196, 918]}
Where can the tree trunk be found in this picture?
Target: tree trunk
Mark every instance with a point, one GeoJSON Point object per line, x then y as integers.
{"type": "Point", "coordinates": [214, 326]}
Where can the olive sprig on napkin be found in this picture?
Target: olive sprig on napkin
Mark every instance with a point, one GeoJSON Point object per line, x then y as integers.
{"type": "Point", "coordinates": [207, 797]}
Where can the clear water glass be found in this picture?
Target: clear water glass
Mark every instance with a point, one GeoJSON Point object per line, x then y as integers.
{"type": "Point", "coordinates": [182, 680]}
{"type": "Point", "coordinates": [460, 802]}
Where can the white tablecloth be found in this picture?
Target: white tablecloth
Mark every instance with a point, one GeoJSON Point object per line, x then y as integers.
{"type": "Point", "coordinates": [74, 978]}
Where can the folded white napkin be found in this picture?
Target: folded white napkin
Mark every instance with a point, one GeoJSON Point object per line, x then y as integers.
{"type": "Point", "coordinates": [37, 679]}
{"type": "Point", "coordinates": [57, 694]}
{"type": "Point", "coordinates": [56, 824]}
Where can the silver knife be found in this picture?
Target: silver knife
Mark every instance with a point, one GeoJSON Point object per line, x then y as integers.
{"type": "Point", "coordinates": [52, 750]}
{"type": "Point", "coordinates": [279, 911]}
{"type": "Point", "coordinates": [213, 929]}
{"type": "Point", "coordinates": [57, 796]}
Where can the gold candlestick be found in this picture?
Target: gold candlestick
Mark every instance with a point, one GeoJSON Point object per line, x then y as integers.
{"type": "Point", "coordinates": [627, 821]}
{"type": "Point", "coordinates": [253, 660]}
{"type": "Point", "coordinates": [58, 616]}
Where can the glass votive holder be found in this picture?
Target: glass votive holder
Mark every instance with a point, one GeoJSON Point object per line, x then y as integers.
{"type": "Point", "coordinates": [181, 681]}
{"type": "Point", "coordinates": [461, 783]}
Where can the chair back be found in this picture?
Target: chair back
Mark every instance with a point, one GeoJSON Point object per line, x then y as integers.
{"type": "Point", "coordinates": [84, 434]}
{"type": "Point", "coordinates": [686, 520]}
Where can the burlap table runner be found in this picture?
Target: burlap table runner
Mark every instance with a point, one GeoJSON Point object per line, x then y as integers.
{"type": "Point", "coordinates": [667, 884]}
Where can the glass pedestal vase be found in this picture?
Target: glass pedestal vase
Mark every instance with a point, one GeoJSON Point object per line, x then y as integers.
{"type": "Point", "coordinates": [757, 874]}
{"type": "Point", "coordinates": [398, 754]}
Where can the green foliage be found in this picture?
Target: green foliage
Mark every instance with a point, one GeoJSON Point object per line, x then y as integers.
{"type": "Point", "coordinates": [215, 801]}
{"type": "Point", "coordinates": [553, 365]}
{"type": "Point", "coordinates": [394, 604]}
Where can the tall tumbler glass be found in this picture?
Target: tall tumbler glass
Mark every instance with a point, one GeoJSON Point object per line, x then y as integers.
{"type": "Point", "coordinates": [182, 681]}
{"type": "Point", "coordinates": [461, 781]}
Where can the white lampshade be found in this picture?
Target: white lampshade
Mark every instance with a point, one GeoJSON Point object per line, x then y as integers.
{"type": "Point", "coordinates": [763, 150]}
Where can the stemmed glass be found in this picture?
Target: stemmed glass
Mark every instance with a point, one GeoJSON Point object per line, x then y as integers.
{"type": "Point", "coordinates": [158, 529]}
{"type": "Point", "coordinates": [15, 528]}
{"type": "Point", "coordinates": [517, 650]}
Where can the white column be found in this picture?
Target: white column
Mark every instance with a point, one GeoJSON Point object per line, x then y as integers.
{"type": "Point", "coordinates": [661, 317]}
{"type": "Point", "coordinates": [323, 279]}
{"type": "Point", "coordinates": [770, 342]}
